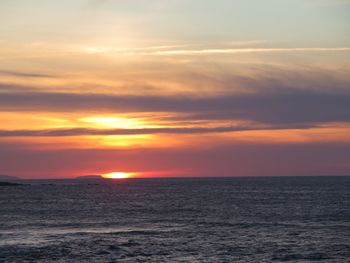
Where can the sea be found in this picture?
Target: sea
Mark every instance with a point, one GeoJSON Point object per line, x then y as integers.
{"type": "Point", "coordinates": [252, 219]}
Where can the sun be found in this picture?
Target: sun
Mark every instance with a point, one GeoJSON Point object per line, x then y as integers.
{"type": "Point", "coordinates": [118, 175]}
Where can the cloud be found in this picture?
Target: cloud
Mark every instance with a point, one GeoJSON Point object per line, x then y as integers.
{"type": "Point", "coordinates": [269, 96]}
{"type": "Point", "coordinates": [274, 107]}
{"type": "Point", "coordinates": [86, 131]}
{"type": "Point", "coordinates": [178, 52]}
{"type": "Point", "coordinates": [25, 74]}
{"type": "Point", "coordinates": [160, 49]}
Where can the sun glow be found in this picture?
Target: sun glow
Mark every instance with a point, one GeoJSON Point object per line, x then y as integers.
{"type": "Point", "coordinates": [114, 122]}
{"type": "Point", "coordinates": [118, 175]}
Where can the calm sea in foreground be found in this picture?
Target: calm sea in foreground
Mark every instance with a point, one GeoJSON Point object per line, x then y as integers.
{"type": "Point", "coordinates": [177, 220]}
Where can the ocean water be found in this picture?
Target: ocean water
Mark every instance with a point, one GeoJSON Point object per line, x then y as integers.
{"type": "Point", "coordinates": [177, 220]}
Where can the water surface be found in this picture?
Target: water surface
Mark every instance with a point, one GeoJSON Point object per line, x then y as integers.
{"type": "Point", "coordinates": [279, 219]}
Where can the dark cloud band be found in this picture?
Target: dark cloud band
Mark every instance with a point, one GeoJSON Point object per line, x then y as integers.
{"type": "Point", "coordinates": [106, 132]}
{"type": "Point", "coordinates": [278, 107]}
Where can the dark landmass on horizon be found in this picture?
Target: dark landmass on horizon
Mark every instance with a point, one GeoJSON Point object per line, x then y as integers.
{"type": "Point", "coordinates": [8, 178]}
{"type": "Point", "coordinates": [89, 177]}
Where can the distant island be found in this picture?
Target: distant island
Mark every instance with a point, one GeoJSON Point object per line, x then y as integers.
{"type": "Point", "coordinates": [8, 178]}
{"type": "Point", "coordinates": [89, 177]}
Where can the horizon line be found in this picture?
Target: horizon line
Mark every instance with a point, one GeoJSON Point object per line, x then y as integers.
{"type": "Point", "coordinates": [178, 177]}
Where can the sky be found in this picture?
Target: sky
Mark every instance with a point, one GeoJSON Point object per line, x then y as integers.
{"type": "Point", "coordinates": [167, 88]}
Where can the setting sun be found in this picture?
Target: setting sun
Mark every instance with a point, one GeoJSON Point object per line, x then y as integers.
{"type": "Point", "coordinates": [118, 175]}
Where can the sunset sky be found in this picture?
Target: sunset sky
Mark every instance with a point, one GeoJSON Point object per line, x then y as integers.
{"type": "Point", "coordinates": [160, 88]}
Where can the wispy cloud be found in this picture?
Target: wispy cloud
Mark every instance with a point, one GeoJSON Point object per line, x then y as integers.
{"type": "Point", "coordinates": [236, 51]}
{"type": "Point", "coordinates": [106, 132]}
{"type": "Point", "coordinates": [25, 74]}
{"type": "Point", "coordinates": [167, 47]}
{"type": "Point", "coordinates": [184, 49]}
